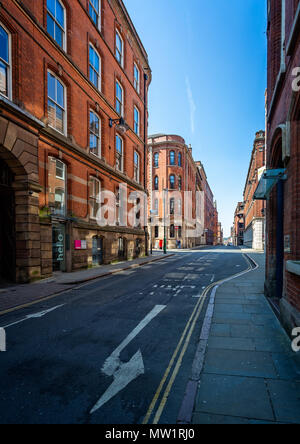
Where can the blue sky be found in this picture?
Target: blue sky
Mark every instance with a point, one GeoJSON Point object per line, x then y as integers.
{"type": "Point", "coordinates": [209, 77]}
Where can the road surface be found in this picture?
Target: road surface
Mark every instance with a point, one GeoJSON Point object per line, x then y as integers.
{"type": "Point", "coordinates": [118, 350]}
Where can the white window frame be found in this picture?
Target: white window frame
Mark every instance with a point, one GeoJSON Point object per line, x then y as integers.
{"type": "Point", "coordinates": [64, 179]}
{"type": "Point", "coordinates": [122, 154]}
{"type": "Point", "coordinates": [137, 166]}
{"type": "Point", "coordinates": [136, 81]}
{"type": "Point", "coordinates": [65, 120]}
{"type": "Point", "coordinates": [97, 136]}
{"type": "Point", "coordinates": [9, 65]}
{"type": "Point", "coordinates": [117, 99]}
{"type": "Point", "coordinates": [94, 197]}
{"type": "Point", "coordinates": [64, 47]}
{"type": "Point", "coordinates": [64, 170]}
{"type": "Point", "coordinates": [100, 68]}
{"type": "Point", "coordinates": [121, 54]}
{"type": "Point", "coordinates": [98, 13]}
{"type": "Point", "coordinates": [136, 123]}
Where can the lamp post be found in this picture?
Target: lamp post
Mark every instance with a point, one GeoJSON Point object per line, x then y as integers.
{"type": "Point", "coordinates": [165, 235]}
{"type": "Point", "coordinates": [152, 213]}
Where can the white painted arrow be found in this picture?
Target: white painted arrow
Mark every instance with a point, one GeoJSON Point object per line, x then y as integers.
{"type": "Point", "coordinates": [35, 316]}
{"type": "Point", "coordinates": [124, 373]}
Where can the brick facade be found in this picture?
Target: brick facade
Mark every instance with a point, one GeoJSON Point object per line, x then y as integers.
{"type": "Point", "coordinates": [283, 152]}
{"type": "Point", "coordinates": [169, 157]}
{"type": "Point", "coordinates": [210, 210]}
{"type": "Point", "coordinates": [239, 225]}
{"type": "Point", "coordinates": [32, 131]}
{"type": "Point", "coordinates": [254, 211]}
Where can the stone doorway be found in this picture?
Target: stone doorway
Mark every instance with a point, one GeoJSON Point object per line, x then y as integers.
{"type": "Point", "coordinates": [7, 225]}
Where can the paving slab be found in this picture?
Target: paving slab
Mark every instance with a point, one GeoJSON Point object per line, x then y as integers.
{"type": "Point", "coordinates": [233, 396]}
{"type": "Point", "coordinates": [285, 396]}
{"type": "Point", "coordinates": [231, 343]}
{"type": "Point", "coordinates": [222, 330]}
{"type": "Point", "coordinates": [240, 363]}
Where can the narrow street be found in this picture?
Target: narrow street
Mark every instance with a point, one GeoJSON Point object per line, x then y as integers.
{"type": "Point", "coordinates": [117, 350]}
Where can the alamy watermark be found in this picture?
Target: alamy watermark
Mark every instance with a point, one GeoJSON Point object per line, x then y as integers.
{"type": "Point", "coordinates": [296, 81]}
{"type": "Point", "coordinates": [131, 209]}
{"type": "Point", "coordinates": [2, 340]}
{"type": "Point", "coordinates": [296, 341]}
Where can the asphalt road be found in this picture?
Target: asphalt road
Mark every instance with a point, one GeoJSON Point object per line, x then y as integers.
{"type": "Point", "coordinates": [115, 351]}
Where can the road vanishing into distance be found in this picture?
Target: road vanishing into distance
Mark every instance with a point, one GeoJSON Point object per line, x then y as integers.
{"type": "Point", "coordinates": [118, 350]}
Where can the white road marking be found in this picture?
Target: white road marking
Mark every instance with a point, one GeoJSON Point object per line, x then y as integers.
{"type": "Point", "coordinates": [124, 373]}
{"type": "Point", "coordinates": [34, 316]}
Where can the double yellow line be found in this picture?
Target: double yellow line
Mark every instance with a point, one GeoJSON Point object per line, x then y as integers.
{"type": "Point", "coordinates": [185, 340]}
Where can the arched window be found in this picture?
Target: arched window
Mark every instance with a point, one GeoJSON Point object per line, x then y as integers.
{"type": "Point", "coordinates": [156, 160]}
{"type": "Point", "coordinates": [180, 183]}
{"type": "Point", "coordinates": [95, 12]}
{"type": "Point", "coordinates": [172, 158]}
{"type": "Point", "coordinates": [137, 167]}
{"type": "Point", "coordinates": [57, 186]}
{"type": "Point", "coordinates": [179, 159]}
{"type": "Point", "coordinates": [136, 77]}
{"type": "Point", "coordinates": [95, 197]}
{"type": "Point", "coordinates": [56, 22]}
{"type": "Point", "coordinates": [56, 104]}
{"type": "Point", "coordinates": [95, 67]}
{"type": "Point", "coordinates": [119, 99]}
{"type": "Point", "coordinates": [156, 183]}
{"type": "Point", "coordinates": [119, 153]}
{"type": "Point", "coordinates": [136, 118]}
{"type": "Point", "coordinates": [172, 182]}
{"type": "Point", "coordinates": [95, 133]}
{"type": "Point", "coordinates": [5, 62]}
{"type": "Point", "coordinates": [119, 49]}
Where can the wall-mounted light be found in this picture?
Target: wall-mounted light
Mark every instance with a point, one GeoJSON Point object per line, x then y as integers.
{"type": "Point", "coordinates": [121, 125]}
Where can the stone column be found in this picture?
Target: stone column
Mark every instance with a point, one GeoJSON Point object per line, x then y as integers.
{"type": "Point", "coordinates": [28, 237]}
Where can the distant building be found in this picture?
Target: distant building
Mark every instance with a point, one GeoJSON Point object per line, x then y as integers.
{"type": "Point", "coordinates": [254, 211]}
{"type": "Point", "coordinates": [172, 175]}
{"type": "Point", "coordinates": [239, 225]}
{"type": "Point", "coordinates": [220, 234]}
{"type": "Point", "coordinates": [210, 214]}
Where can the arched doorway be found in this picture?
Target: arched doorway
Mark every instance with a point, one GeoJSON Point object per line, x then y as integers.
{"type": "Point", "coordinates": [276, 217]}
{"type": "Point", "coordinates": [7, 225]}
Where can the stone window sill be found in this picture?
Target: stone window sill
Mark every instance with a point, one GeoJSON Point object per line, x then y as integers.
{"type": "Point", "coordinates": [293, 267]}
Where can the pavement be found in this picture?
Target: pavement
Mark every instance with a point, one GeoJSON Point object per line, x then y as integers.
{"type": "Point", "coordinates": [12, 297]}
{"type": "Point", "coordinates": [250, 375]}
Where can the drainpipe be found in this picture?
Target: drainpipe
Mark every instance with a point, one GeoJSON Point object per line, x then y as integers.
{"type": "Point", "coordinates": [145, 160]}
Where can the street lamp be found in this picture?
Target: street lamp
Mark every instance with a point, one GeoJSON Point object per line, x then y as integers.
{"type": "Point", "coordinates": [120, 123]}
{"type": "Point", "coordinates": [165, 234]}
{"type": "Point", "coordinates": [152, 213]}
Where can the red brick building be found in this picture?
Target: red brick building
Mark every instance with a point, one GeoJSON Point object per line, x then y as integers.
{"type": "Point", "coordinates": [254, 211]}
{"type": "Point", "coordinates": [71, 72]}
{"type": "Point", "coordinates": [220, 234]}
{"type": "Point", "coordinates": [283, 159]}
{"type": "Point", "coordinates": [239, 225]}
{"type": "Point", "coordinates": [172, 168]}
{"type": "Point", "coordinates": [210, 210]}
